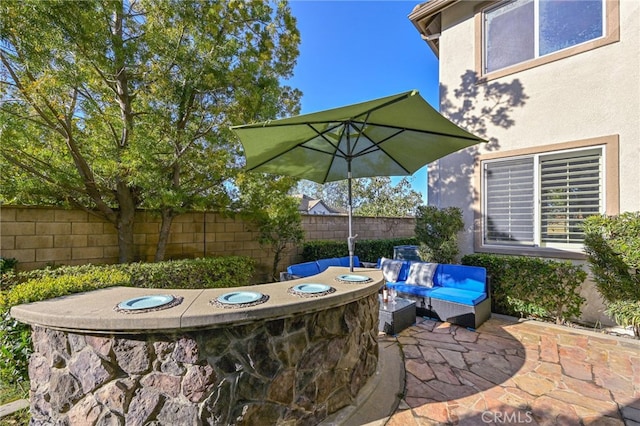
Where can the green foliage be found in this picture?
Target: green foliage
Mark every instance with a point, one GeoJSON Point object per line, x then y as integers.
{"type": "Point", "coordinates": [208, 272]}
{"type": "Point", "coordinates": [366, 250]}
{"type": "Point", "coordinates": [376, 196]}
{"type": "Point", "coordinates": [532, 287]}
{"type": "Point", "coordinates": [612, 244]}
{"type": "Point", "coordinates": [45, 288]}
{"type": "Point", "coordinates": [437, 230]}
{"type": "Point", "coordinates": [133, 111]}
{"type": "Point", "coordinates": [626, 314]}
{"type": "Point", "coordinates": [10, 393]}
{"type": "Point", "coordinates": [265, 204]}
{"type": "Point", "coordinates": [37, 285]}
{"type": "Point", "coordinates": [10, 280]}
{"type": "Point", "coordinates": [15, 348]}
{"type": "Point", "coordinates": [7, 264]}
{"type": "Point", "coordinates": [15, 337]}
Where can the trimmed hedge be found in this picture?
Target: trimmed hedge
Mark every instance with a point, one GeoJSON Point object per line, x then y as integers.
{"type": "Point", "coordinates": [48, 287]}
{"type": "Point", "coordinates": [42, 284]}
{"type": "Point", "coordinates": [366, 250]}
{"type": "Point", "coordinates": [15, 337]}
{"type": "Point", "coordinates": [612, 244]}
{"type": "Point", "coordinates": [207, 272]}
{"type": "Point", "coordinates": [210, 272]}
{"type": "Point", "coordinates": [528, 286]}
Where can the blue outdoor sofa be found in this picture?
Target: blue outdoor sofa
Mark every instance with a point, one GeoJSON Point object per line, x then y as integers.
{"type": "Point", "coordinates": [307, 269]}
{"type": "Point", "coordinates": [455, 293]}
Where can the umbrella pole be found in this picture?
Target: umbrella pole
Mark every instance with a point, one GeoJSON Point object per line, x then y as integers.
{"type": "Point", "coordinates": [351, 240]}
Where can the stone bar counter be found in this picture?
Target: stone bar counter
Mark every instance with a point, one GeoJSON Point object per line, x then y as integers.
{"type": "Point", "coordinates": [291, 356]}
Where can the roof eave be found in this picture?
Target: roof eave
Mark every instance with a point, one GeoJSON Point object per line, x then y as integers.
{"type": "Point", "coordinates": [425, 12]}
{"type": "Point", "coordinates": [429, 8]}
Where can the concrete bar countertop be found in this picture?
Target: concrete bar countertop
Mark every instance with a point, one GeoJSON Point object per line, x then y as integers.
{"type": "Point", "coordinates": [93, 312]}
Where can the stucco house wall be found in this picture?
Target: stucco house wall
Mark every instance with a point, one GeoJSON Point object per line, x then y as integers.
{"type": "Point", "coordinates": [593, 96]}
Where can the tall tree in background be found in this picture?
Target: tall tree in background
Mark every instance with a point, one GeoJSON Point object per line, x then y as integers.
{"type": "Point", "coordinates": [111, 106]}
{"type": "Point", "coordinates": [264, 202]}
{"type": "Point", "coordinates": [379, 197]}
{"type": "Point", "coordinates": [375, 196]}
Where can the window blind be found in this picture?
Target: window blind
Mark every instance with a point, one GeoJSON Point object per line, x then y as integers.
{"type": "Point", "coordinates": [570, 191]}
{"type": "Point", "coordinates": [509, 202]}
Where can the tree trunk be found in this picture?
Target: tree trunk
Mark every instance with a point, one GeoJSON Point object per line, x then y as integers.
{"type": "Point", "coordinates": [125, 221]}
{"type": "Point", "coordinates": [277, 257]}
{"type": "Point", "coordinates": [163, 238]}
{"type": "Point", "coordinates": [126, 247]}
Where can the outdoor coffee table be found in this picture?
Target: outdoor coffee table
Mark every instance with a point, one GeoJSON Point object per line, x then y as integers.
{"type": "Point", "coordinates": [395, 317]}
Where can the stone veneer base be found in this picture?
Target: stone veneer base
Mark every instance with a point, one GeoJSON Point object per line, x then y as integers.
{"type": "Point", "coordinates": [294, 370]}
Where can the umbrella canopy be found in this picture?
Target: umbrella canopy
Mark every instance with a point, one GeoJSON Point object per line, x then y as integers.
{"type": "Point", "coordinates": [391, 136]}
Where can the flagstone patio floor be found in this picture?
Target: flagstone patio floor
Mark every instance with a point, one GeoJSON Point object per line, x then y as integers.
{"type": "Point", "coordinates": [508, 373]}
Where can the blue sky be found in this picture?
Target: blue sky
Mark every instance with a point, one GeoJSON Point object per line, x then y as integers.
{"type": "Point", "coordinates": [353, 51]}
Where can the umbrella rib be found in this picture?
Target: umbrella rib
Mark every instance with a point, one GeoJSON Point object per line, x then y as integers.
{"type": "Point", "coordinates": [323, 136]}
{"type": "Point", "coordinates": [326, 175]}
{"type": "Point", "coordinates": [301, 145]}
{"type": "Point", "coordinates": [376, 146]}
{"type": "Point", "coordinates": [427, 132]}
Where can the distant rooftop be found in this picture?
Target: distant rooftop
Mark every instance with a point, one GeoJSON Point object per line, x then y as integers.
{"type": "Point", "coordinates": [310, 205]}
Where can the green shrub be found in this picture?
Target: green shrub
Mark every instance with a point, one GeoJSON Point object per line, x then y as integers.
{"type": "Point", "coordinates": [39, 289]}
{"type": "Point", "coordinates": [626, 314]}
{"type": "Point", "coordinates": [437, 230]}
{"type": "Point", "coordinates": [15, 348]}
{"type": "Point", "coordinates": [7, 271]}
{"type": "Point", "coordinates": [612, 244]}
{"type": "Point", "coordinates": [208, 272]}
{"type": "Point", "coordinates": [15, 337]}
{"type": "Point", "coordinates": [47, 283]}
{"type": "Point", "coordinates": [13, 279]}
{"type": "Point", "coordinates": [7, 264]}
{"type": "Point", "coordinates": [366, 250]}
{"type": "Point", "coordinates": [531, 286]}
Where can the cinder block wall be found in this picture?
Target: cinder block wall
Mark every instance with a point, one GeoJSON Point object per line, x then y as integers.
{"type": "Point", "coordinates": [40, 236]}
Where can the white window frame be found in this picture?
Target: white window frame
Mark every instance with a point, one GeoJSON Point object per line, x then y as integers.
{"type": "Point", "coordinates": [537, 204]}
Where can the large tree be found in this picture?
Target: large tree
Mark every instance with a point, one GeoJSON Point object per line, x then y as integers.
{"type": "Point", "coordinates": [379, 197]}
{"type": "Point", "coordinates": [376, 196]}
{"type": "Point", "coordinates": [265, 203]}
{"type": "Point", "coordinates": [112, 106]}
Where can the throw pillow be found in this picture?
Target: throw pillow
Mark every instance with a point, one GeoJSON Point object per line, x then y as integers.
{"type": "Point", "coordinates": [390, 269]}
{"type": "Point", "coordinates": [422, 274]}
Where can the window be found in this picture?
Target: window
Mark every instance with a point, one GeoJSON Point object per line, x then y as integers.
{"type": "Point", "coordinates": [538, 31]}
{"type": "Point", "coordinates": [541, 200]}
{"type": "Point", "coordinates": [509, 202]}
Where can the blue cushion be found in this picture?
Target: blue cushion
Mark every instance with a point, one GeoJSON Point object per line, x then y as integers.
{"type": "Point", "coordinates": [323, 264]}
{"type": "Point", "coordinates": [470, 278]}
{"type": "Point", "coordinates": [344, 261]}
{"type": "Point", "coordinates": [304, 269]}
{"type": "Point", "coordinates": [457, 295]}
{"type": "Point", "coordinates": [412, 289]}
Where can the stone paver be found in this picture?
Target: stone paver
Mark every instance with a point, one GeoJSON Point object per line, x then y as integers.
{"type": "Point", "coordinates": [510, 373]}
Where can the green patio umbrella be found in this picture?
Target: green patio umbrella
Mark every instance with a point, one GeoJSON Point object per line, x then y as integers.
{"type": "Point", "coordinates": [391, 136]}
